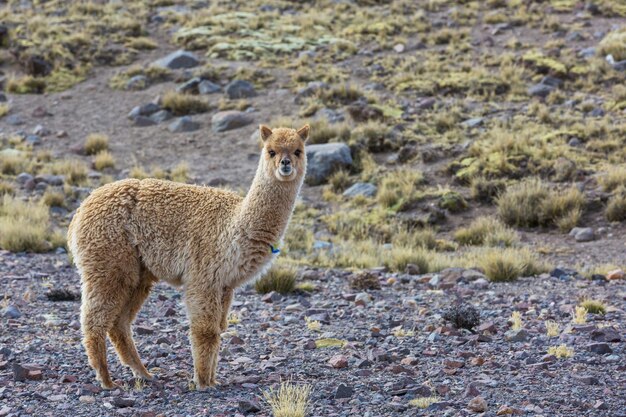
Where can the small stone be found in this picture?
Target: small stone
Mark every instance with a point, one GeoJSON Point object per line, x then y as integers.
{"type": "Point", "coordinates": [249, 406]}
{"type": "Point", "coordinates": [470, 123]}
{"type": "Point", "coordinates": [362, 299]}
{"type": "Point", "coordinates": [588, 379]}
{"type": "Point", "coordinates": [585, 234]}
{"type": "Point", "coordinates": [177, 60]}
{"type": "Point", "coordinates": [412, 269]}
{"type": "Point", "coordinates": [189, 87]}
{"type": "Point", "coordinates": [271, 297]}
{"type": "Point", "coordinates": [183, 124]}
{"type": "Point", "coordinates": [87, 399]}
{"type": "Point", "coordinates": [161, 116]}
{"type": "Point", "coordinates": [208, 87]}
{"type": "Point", "coordinates": [471, 391]}
{"type": "Point", "coordinates": [399, 48]}
{"type": "Point", "coordinates": [138, 82]}
{"type": "Point", "coordinates": [144, 110]}
{"type": "Point", "coordinates": [14, 120]}
{"type": "Point", "coordinates": [68, 379]}
{"type": "Point", "coordinates": [23, 178]}
{"type": "Point", "coordinates": [426, 103]}
{"type": "Point", "coordinates": [606, 334]}
{"type": "Point", "coordinates": [516, 335]}
{"type": "Point", "coordinates": [338, 361]}
{"type": "Point", "coordinates": [361, 189]}
{"type": "Point", "coordinates": [540, 90]}
{"type": "Point", "coordinates": [239, 89]}
{"type": "Point", "coordinates": [600, 348]}
{"type": "Point", "coordinates": [143, 121]}
{"type": "Point", "coordinates": [477, 404]}
{"type": "Point", "coordinates": [12, 312]}
{"type": "Point", "coordinates": [143, 330]}
{"type": "Point", "coordinates": [121, 402]}
{"type": "Point", "coordinates": [344, 391]}
{"type": "Point", "coordinates": [615, 274]}
{"type": "Point", "coordinates": [230, 119]}
{"type": "Point", "coordinates": [449, 363]}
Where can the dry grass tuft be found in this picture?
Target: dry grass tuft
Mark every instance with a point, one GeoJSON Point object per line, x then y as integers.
{"type": "Point", "coordinates": [289, 400]}
{"type": "Point", "coordinates": [552, 328]}
{"type": "Point", "coordinates": [23, 225]}
{"type": "Point", "coordinates": [616, 207]}
{"type": "Point", "coordinates": [580, 315]}
{"type": "Point", "coordinates": [183, 104]}
{"type": "Point", "coordinates": [531, 203]}
{"type": "Point", "coordinates": [561, 351]}
{"type": "Point", "coordinates": [54, 199]}
{"type": "Point", "coordinates": [424, 402]}
{"type": "Point", "coordinates": [279, 279]}
{"type": "Point", "coordinates": [103, 160]}
{"type": "Point", "coordinates": [487, 231]}
{"type": "Point", "coordinates": [594, 306]}
{"type": "Point", "coordinates": [96, 143]}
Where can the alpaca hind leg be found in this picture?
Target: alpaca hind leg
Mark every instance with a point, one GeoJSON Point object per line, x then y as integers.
{"type": "Point", "coordinates": [205, 315]}
{"type": "Point", "coordinates": [121, 334]}
{"type": "Point", "coordinates": [227, 299]}
{"type": "Point", "coordinates": [97, 316]}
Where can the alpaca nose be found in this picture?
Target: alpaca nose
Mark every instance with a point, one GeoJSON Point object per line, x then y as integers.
{"type": "Point", "coordinates": [285, 162]}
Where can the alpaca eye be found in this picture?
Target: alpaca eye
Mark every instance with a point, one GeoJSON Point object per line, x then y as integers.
{"type": "Point", "coordinates": [272, 154]}
{"type": "Point", "coordinates": [298, 152]}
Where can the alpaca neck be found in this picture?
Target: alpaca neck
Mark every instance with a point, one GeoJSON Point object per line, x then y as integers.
{"type": "Point", "coordinates": [266, 209]}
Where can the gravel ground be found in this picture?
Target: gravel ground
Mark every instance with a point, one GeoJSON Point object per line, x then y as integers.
{"type": "Point", "coordinates": [44, 370]}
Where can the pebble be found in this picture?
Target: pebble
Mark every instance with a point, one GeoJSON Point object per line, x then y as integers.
{"type": "Point", "coordinates": [600, 348]}
{"type": "Point", "coordinates": [477, 404]}
{"type": "Point", "coordinates": [615, 274]}
{"type": "Point", "coordinates": [338, 361]}
{"type": "Point", "coordinates": [344, 391]}
{"type": "Point", "coordinates": [12, 312]}
{"type": "Point", "coordinates": [183, 124]}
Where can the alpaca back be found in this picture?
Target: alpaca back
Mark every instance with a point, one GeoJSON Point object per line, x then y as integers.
{"type": "Point", "coordinates": [172, 226]}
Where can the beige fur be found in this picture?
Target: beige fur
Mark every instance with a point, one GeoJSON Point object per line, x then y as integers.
{"type": "Point", "coordinates": [129, 234]}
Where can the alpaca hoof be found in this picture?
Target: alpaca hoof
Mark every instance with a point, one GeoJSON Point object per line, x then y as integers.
{"type": "Point", "coordinates": [108, 385]}
{"type": "Point", "coordinates": [146, 376]}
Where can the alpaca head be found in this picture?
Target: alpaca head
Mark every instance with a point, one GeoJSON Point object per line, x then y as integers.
{"type": "Point", "coordinates": [283, 152]}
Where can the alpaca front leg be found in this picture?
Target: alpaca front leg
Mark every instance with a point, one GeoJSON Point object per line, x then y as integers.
{"type": "Point", "coordinates": [204, 333]}
{"type": "Point", "coordinates": [227, 299]}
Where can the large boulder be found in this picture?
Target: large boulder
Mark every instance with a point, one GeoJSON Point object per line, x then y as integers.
{"type": "Point", "coordinates": [177, 60]}
{"type": "Point", "coordinates": [326, 159]}
{"type": "Point", "coordinates": [239, 89]}
{"type": "Point", "coordinates": [231, 119]}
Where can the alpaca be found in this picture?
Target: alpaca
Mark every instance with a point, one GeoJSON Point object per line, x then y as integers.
{"type": "Point", "coordinates": [129, 234]}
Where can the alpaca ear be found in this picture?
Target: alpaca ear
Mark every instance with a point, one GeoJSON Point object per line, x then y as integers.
{"type": "Point", "coordinates": [266, 132]}
{"type": "Point", "coordinates": [304, 132]}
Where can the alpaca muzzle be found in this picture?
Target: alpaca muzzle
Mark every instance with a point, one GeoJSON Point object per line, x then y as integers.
{"type": "Point", "coordinates": [285, 166]}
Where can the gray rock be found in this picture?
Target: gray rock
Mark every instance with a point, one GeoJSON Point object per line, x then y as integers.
{"type": "Point", "coordinates": [516, 335]}
{"type": "Point", "coordinates": [121, 402]}
{"type": "Point", "coordinates": [344, 391]}
{"type": "Point", "coordinates": [588, 379]}
{"type": "Point", "coordinates": [161, 116]}
{"type": "Point", "coordinates": [361, 188]}
{"type": "Point", "coordinates": [426, 103]}
{"type": "Point", "coordinates": [320, 244]}
{"type": "Point", "coordinates": [143, 121]}
{"type": "Point", "coordinates": [620, 66]}
{"type": "Point", "coordinates": [271, 297]}
{"type": "Point", "coordinates": [12, 312]}
{"type": "Point", "coordinates": [597, 112]}
{"type": "Point", "coordinates": [190, 87]}
{"type": "Point", "coordinates": [551, 81]}
{"type": "Point", "coordinates": [333, 116]}
{"type": "Point", "coordinates": [177, 60]}
{"type": "Point", "coordinates": [138, 82]}
{"type": "Point", "coordinates": [583, 234]}
{"type": "Point", "coordinates": [606, 334]}
{"type": "Point", "coordinates": [249, 406]}
{"type": "Point", "coordinates": [574, 142]}
{"type": "Point", "coordinates": [600, 348]}
{"type": "Point", "coordinates": [324, 160]}
{"type": "Point", "coordinates": [143, 110]}
{"type": "Point", "coordinates": [50, 179]}
{"type": "Point", "coordinates": [540, 90]}
{"type": "Point", "coordinates": [40, 130]}
{"type": "Point", "coordinates": [183, 124]}
{"type": "Point", "coordinates": [14, 120]}
{"type": "Point", "coordinates": [475, 122]}
{"type": "Point", "coordinates": [3, 97]}
{"type": "Point", "coordinates": [587, 52]}
{"type": "Point", "coordinates": [208, 87]}
{"type": "Point", "coordinates": [23, 178]}
{"type": "Point", "coordinates": [239, 89]}
{"type": "Point", "coordinates": [311, 89]}
{"type": "Point", "coordinates": [33, 140]}
{"type": "Point", "coordinates": [231, 119]}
